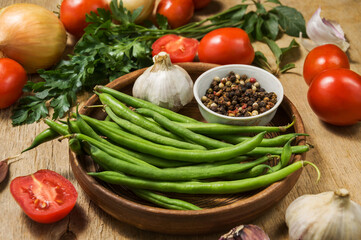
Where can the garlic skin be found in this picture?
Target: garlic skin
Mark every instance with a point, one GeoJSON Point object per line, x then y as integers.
{"type": "Point", "coordinates": [322, 31]}
{"type": "Point", "coordinates": [164, 84]}
{"type": "Point", "coordinates": [245, 232]}
{"type": "Point", "coordinates": [324, 216]}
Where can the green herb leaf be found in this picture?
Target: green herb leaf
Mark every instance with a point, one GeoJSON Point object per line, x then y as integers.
{"type": "Point", "coordinates": [276, 50]}
{"type": "Point", "coordinates": [290, 20]}
{"type": "Point", "coordinates": [274, 1]}
{"type": "Point", "coordinates": [271, 27]}
{"type": "Point", "coordinates": [287, 67]}
{"type": "Point", "coordinates": [136, 13]}
{"type": "Point", "coordinates": [259, 33]}
{"type": "Point", "coordinates": [250, 22]}
{"type": "Point", "coordinates": [293, 44]}
{"type": "Point", "coordinates": [233, 14]}
{"type": "Point", "coordinates": [259, 8]}
{"type": "Point", "coordinates": [162, 21]}
{"type": "Point", "coordinates": [261, 61]}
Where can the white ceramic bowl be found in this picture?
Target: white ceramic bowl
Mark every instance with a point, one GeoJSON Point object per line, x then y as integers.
{"type": "Point", "coordinates": [267, 81]}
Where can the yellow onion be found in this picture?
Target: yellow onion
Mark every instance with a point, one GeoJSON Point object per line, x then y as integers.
{"type": "Point", "coordinates": [148, 6]}
{"type": "Point", "coordinates": [31, 35]}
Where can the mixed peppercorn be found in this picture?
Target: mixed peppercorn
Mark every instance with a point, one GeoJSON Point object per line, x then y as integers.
{"type": "Point", "coordinates": [238, 96]}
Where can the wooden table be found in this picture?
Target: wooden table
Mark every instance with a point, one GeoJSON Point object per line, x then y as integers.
{"type": "Point", "coordinates": [336, 149]}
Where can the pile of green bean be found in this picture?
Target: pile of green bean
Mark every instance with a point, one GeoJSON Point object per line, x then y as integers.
{"type": "Point", "coordinates": [149, 148]}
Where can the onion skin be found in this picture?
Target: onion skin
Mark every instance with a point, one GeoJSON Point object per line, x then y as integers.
{"type": "Point", "coordinates": [148, 6]}
{"type": "Point", "coordinates": [31, 35]}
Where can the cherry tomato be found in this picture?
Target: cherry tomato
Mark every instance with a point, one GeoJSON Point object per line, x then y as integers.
{"type": "Point", "coordinates": [321, 58]}
{"type": "Point", "coordinates": [226, 46]}
{"type": "Point", "coordinates": [180, 49]}
{"type": "Point", "coordinates": [335, 96]}
{"type": "Point", "coordinates": [12, 80]}
{"type": "Point", "coordinates": [73, 13]}
{"type": "Point", "coordinates": [198, 4]}
{"type": "Point", "coordinates": [178, 12]}
{"type": "Point", "coordinates": [45, 196]}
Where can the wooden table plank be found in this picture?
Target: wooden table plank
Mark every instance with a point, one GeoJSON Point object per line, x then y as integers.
{"type": "Point", "coordinates": [336, 150]}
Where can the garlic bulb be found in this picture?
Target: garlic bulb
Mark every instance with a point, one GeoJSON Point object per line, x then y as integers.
{"type": "Point", "coordinates": [322, 31]}
{"type": "Point", "coordinates": [164, 84]}
{"type": "Point", "coordinates": [324, 216]}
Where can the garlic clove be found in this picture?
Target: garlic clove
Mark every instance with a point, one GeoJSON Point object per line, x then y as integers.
{"type": "Point", "coordinates": [328, 215]}
{"type": "Point", "coordinates": [245, 232]}
{"type": "Point", "coordinates": [322, 31]}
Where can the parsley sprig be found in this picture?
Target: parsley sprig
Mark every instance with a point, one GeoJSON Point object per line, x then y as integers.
{"type": "Point", "coordinates": [113, 45]}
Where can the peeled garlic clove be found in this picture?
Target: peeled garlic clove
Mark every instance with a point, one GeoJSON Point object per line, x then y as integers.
{"type": "Point", "coordinates": [164, 84]}
{"type": "Point", "coordinates": [245, 232]}
{"type": "Point", "coordinates": [322, 31]}
{"type": "Point", "coordinates": [324, 216]}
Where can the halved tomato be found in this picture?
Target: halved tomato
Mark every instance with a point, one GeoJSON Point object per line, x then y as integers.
{"type": "Point", "coordinates": [180, 49]}
{"type": "Point", "coordinates": [44, 196]}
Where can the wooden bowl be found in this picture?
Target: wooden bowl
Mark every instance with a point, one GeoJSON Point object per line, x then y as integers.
{"type": "Point", "coordinates": [220, 212]}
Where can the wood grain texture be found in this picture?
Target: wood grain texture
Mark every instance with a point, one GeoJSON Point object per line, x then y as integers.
{"type": "Point", "coordinates": [336, 150]}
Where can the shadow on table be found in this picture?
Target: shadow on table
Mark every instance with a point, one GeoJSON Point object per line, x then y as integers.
{"type": "Point", "coordinates": [343, 130]}
{"type": "Point", "coordinates": [65, 229]}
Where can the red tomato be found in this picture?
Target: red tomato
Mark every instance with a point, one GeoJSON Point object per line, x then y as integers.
{"type": "Point", "coordinates": [180, 49]}
{"type": "Point", "coordinates": [73, 13]}
{"type": "Point", "coordinates": [226, 46]}
{"type": "Point", "coordinates": [335, 96]}
{"type": "Point", "coordinates": [321, 58]}
{"type": "Point", "coordinates": [12, 80]}
{"type": "Point", "coordinates": [198, 4]}
{"type": "Point", "coordinates": [45, 196]}
{"type": "Point", "coordinates": [178, 12]}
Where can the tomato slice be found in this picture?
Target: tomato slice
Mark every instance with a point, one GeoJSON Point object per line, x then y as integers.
{"type": "Point", "coordinates": [44, 196]}
{"type": "Point", "coordinates": [180, 49]}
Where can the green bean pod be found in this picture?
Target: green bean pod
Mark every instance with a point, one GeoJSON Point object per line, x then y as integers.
{"type": "Point", "coordinates": [222, 129]}
{"type": "Point", "coordinates": [45, 136]}
{"type": "Point", "coordinates": [171, 174]}
{"type": "Point", "coordinates": [156, 161]}
{"type": "Point", "coordinates": [266, 142]}
{"type": "Point", "coordinates": [85, 128]}
{"type": "Point", "coordinates": [285, 156]}
{"type": "Point", "coordinates": [260, 151]}
{"type": "Point", "coordinates": [73, 126]}
{"type": "Point", "coordinates": [181, 131]}
{"type": "Point", "coordinates": [139, 103]}
{"type": "Point", "coordinates": [135, 129]}
{"type": "Point", "coordinates": [112, 150]}
{"type": "Point", "coordinates": [127, 140]}
{"type": "Point", "coordinates": [163, 201]}
{"type": "Point", "coordinates": [250, 173]}
{"type": "Point", "coordinates": [75, 146]}
{"type": "Point", "coordinates": [195, 187]}
{"type": "Point", "coordinates": [123, 111]}
{"type": "Point", "coordinates": [62, 129]}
